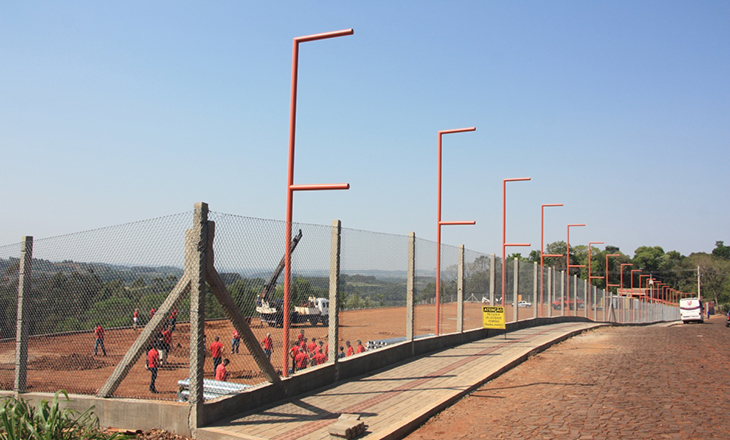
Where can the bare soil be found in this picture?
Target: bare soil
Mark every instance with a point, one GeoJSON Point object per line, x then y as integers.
{"type": "Point", "coordinates": [68, 362]}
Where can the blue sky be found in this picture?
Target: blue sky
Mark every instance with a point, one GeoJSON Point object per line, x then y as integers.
{"type": "Point", "coordinates": [121, 111]}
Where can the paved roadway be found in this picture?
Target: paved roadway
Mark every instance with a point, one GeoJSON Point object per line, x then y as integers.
{"type": "Point", "coordinates": [395, 401]}
{"type": "Point", "coordinates": [656, 382]}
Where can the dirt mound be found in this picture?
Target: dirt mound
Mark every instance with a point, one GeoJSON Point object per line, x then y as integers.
{"type": "Point", "coordinates": [69, 362]}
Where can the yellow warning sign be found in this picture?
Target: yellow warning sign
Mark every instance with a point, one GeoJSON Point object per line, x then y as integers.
{"type": "Point", "coordinates": [493, 317]}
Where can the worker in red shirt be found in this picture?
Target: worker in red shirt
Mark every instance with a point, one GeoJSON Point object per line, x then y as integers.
{"type": "Point", "coordinates": [268, 345]}
{"type": "Point", "coordinates": [152, 313]}
{"type": "Point", "coordinates": [326, 349]}
{"type": "Point", "coordinates": [135, 318]}
{"type": "Point", "coordinates": [293, 352]}
{"type": "Point", "coordinates": [99, 332]}
{"type": "Point", "coordinates": [301, 359]}
{"type": "Point", "coordinates": [173, 320]}
{"type": "Point", "coordinates": [319, 358]}
{"type": "Point", "coordinates": [166, 345]}
{"type": "Point", "coordinates": [221, 373]}
{"type": "Point", "coordinates": [216, 349]}
{"type": "Point", "coordinates": [153, 362]}
{"type": "Point", "coordinates": [350, 350]}
{"type": "Point", "coordinates": [300, 336]}
{"type": "Point", "coordinates": [235, 341]}
{"type": "Point", "coordinates": [312, 346]}
{"type": "Point", "coordinates": [360, 348]}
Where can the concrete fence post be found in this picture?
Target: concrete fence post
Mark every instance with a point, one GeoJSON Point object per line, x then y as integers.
{"type": "Point", "coordinates": [492, 278]}
{"type": "Point", "coordinates": [586, 306]}
{"type": "Point", "coordinates": [334, 293]}
{"type": "Point", "coordinates": [21, 328]}
{"type": "Point", "coordinates": [550, 292]}
{"type": "Point", "coordinates": [195, 266]}
{"type": "Point", "coordinates": [562, 293]}
{"type": "Point", "coordinates": [534, 291]}
{"type": "Point", "coordinates": [460, 292]}
{"type": "Point", "coordinates": [575, 295]}
{"type": "Point", "coordinates": [410, 287]}
{"type": "Point", "coordinates": [515, 290]}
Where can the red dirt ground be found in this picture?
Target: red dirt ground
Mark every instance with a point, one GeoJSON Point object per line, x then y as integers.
{"type": "Point", "coordinates": [67, 361]}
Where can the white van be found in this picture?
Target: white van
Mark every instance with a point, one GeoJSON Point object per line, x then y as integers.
{"type": "Point", "coordinates": [690, 309]}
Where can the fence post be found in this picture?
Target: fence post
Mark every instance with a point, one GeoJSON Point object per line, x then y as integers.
{"type": "Point", "coordinates": [492, 280]}
{"type": "Point", "coordinates": [410, 285]}
{"type": "Point", "coordinates": [21, 329]}
{"type": "Point", "coordinates": [534, 290]}
{"type": "Point", "coordinates": [515, 290]}
{"type": "Point", "coordinates": [562, 293]}
{"type": "Point", "coordinates": [195, 266]}
{"type": "Point", "coordinates": [550, 293]}
{"type": "Point", "coordinates": [460, 292]}
{"type": "Point", "coordinates": [334, 312]}
{"type": "Point", "coordinates": [586, 306]}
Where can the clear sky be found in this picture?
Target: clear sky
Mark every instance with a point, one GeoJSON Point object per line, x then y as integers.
{"type": "Point", "coordinates": [112, 112]}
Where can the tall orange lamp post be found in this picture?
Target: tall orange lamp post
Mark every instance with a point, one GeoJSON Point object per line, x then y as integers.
{"type": "Point", "coordinates": [591, 277]}
{"type": "Point", "coordinates": [440, 223]}
{"type": "Point", "coordinates": [542, 247]}
{"type": "Point", "coordinates": [291, 187]}
{"type": "Point", "coordinates": [567, 269]}
{"type": "Point", "coordinates": [504, 229]}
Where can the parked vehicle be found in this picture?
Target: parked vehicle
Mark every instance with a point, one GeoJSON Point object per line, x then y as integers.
{"type": "Point", "coordinates": [524, 304]}
{"type": "Point", "coordinates": [690, 309]}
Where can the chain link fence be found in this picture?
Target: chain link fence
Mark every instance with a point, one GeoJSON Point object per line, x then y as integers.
{"type": "Point", "coordinates": [93, 292]}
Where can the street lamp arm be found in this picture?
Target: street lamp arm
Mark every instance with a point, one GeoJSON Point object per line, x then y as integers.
{"type": "Point", "coordinates": [319, 186]}
{"type": "Point", "coordinates": [324, 35]}
{"type": "Point", "coordinates": [457, 130]}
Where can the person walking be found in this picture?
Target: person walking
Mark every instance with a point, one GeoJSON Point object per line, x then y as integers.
{"type": "Point", "coordinates": [153, 362]}
{"type": "Point", "coordinates": [135, 319]}
{"type": "Point", "coordinates": [350, 350]}
{"type": "Point", "coordinates": [360, 348]}
{"type": "Point", "coordinates": [99, 332]}
{"type": "Point", "coordinates": [235, 342]}
{"type": "Point", "coordinates": [216, 349]}
{"type": "Point", "coordinates": [268, 345]}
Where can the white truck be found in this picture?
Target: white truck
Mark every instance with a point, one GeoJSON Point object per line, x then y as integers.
{"type": "Point", "coordinates": [690, 310]}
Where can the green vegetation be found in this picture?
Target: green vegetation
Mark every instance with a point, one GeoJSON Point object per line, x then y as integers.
{"type": "Point", "coordinates": [47, 421]}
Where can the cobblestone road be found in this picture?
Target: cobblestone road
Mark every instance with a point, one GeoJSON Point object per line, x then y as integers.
{"type": "Point", "coordinates": [656, 382]}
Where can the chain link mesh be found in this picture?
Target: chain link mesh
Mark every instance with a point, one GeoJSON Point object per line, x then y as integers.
{"type": "Point", "coordinates": [98, 279]}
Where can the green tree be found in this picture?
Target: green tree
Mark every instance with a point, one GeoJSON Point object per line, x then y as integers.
{"type": "Point", "coordinates": [721, 251]}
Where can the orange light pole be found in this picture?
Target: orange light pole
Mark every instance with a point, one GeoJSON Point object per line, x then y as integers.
{"type": "Point", "coordinates": [440, 223]}
{"type": "Point", "coordinates": [622, 277]}
{"type": "Point", "coordinates": [647, 285]}
{"type": "Point", "coordinates": [291, 187]}
{"type": "Point", "coordinates": [567, 270]}
{"type": "Point", "coordinates": [542, 255]}
{"type": "Point", "coordinates": [632, 293]}
{"type": "Point", "coordinates": [504, 229]}
{"type": "Point", "coordinates": [590, 277]}
{"type": "Point", "coordinates": [608, 285]}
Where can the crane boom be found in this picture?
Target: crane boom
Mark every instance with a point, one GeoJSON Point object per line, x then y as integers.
{"type": "Point", "coordinates": [268, 290]}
